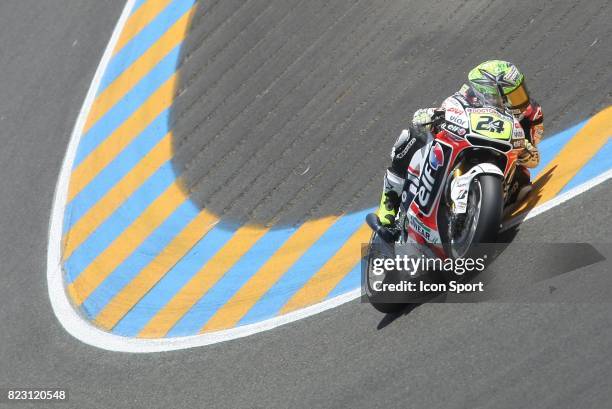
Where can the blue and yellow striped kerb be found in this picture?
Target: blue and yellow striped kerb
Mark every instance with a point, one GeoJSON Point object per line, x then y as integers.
{"type": "Point", "coordinates": [141, 260]}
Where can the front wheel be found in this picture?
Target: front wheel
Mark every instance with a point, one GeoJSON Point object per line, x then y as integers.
{"type": "Point", "coordinates": [480, 223]}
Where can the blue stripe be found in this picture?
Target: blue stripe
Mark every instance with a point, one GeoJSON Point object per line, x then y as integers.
{"type": "Point", "coordinates": [350, 282]}
{"type": "Point", "coordinates": [116, 170]}
{"type": "Point", "coordinates": [129, 104]}
{"type": "Point", "coordinates": [600, 163]}
{"type": "Point", "coordinates": [144, 40]}
{"type": "Point", "coordinates": [230, 283]}
{"type": "Point", "coordinates": [140, 258]}
{"type": "Point", "coordinates": [125, 215]}
{"type": "Point", "coordinates": [307, 266]}
{"type": "Point", "coordinates": [550, 147]}
{"type": "Point", "coordinates": [133, 322]}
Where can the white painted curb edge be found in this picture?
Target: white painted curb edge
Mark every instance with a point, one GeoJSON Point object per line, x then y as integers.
{"type": "Point", "coordinates": [78, 326]}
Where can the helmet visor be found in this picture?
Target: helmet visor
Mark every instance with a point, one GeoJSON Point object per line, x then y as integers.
{"type": "Point", "coordinates": [491, 98]}
{"type": "Point", "coordinates": [518, 99]}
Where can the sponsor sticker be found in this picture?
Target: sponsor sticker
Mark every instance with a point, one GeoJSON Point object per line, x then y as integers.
{"type": "Point", "coordinates": [454, 128]}
{"type": "Point", "coordinates": [454, 110]}
{"type": "Point", "coordinates": [432, 176]}
{"type": "Point", "coordinates": [422, 230]}
{"type": "Point", "coordinates": [436, 156]}
{"type": "Point", "coordinates": [457, 119]}
{"type": "Point", "coordinates": [483, 110]}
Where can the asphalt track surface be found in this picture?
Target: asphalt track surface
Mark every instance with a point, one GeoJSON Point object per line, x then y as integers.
{"type": "Point", "coordinates": [437, 355]}
{"type": "Point", "coordinates": [286, 110]}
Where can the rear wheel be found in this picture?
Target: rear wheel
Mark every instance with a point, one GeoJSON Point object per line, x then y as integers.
{"type": "Point", "coordinates": [378, 248]}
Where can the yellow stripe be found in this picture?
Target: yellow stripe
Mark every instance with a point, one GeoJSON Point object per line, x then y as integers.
{"type": "Point", "coordinates": [138, 70]}
{"type": "Point", "coordinates": [121, 137]}
{"type": "Point", "coordinates": [574, 155]}
{"type": "Point", "coordinates": [155, 270]}
{"type": "Point", "coordinates": [301, 240]}
{"type": "Point", "coordinates": [98, 213]}
{"type": "Point", "coordinates": [126, 243]}
{"type": "Point", "coordinates": [139, 20]}
{"type": "Point", "coordinates": [204, 279]}
{"type": "Point", "coordinates": [328, 277]}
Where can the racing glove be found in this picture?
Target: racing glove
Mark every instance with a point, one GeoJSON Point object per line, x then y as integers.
{"type": "Point", "coordinates": [422, 117]}
{"type": "Point", "coordinates": [530, 156]}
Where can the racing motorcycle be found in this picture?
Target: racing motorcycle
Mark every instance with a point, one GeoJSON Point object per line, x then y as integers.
{"type": "Point", "coordinates": [462, 189]}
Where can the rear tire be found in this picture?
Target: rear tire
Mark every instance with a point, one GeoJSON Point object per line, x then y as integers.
{"type": "Point", "coordinates": [391, 277]}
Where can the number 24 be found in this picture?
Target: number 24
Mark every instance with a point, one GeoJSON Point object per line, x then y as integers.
{"type": "Point", "coordinates": [488, 124]}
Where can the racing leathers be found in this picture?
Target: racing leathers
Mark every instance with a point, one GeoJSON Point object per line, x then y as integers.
{"type": "Point", "coordinates": [410, 148]}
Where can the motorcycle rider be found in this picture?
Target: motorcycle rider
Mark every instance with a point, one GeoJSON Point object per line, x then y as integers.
{"type": "Point", "coordinates": [492, 83]}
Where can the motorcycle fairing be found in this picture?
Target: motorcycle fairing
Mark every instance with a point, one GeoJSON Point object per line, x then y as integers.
{"type": "Point", "coordinates": [421, 223]}
{"type": "Point", "coordinates": [424, 228]}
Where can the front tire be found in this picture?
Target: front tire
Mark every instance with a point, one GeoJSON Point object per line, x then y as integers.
{"type": "Point", "coordinates": [484, 215]}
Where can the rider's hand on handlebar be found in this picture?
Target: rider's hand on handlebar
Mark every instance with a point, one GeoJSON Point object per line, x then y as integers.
{"type": "Point", "coordinates": [426, 116]}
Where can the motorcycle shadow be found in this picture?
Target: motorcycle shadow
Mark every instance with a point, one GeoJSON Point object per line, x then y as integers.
{"type": "Point", "coordinates": [391, 317]}
{"type": "Point", "coordinates": [504, 240]}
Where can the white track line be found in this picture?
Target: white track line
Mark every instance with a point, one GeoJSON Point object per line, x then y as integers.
{"type": "Point", "coordinates": [82, 329]}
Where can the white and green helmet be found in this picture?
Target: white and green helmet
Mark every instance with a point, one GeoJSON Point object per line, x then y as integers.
{"type": "Point", "coordinates": [500, 83]}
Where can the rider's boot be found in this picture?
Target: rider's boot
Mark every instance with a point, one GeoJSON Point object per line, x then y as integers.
{"type": "Point", "coordinates": [390, 199]}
